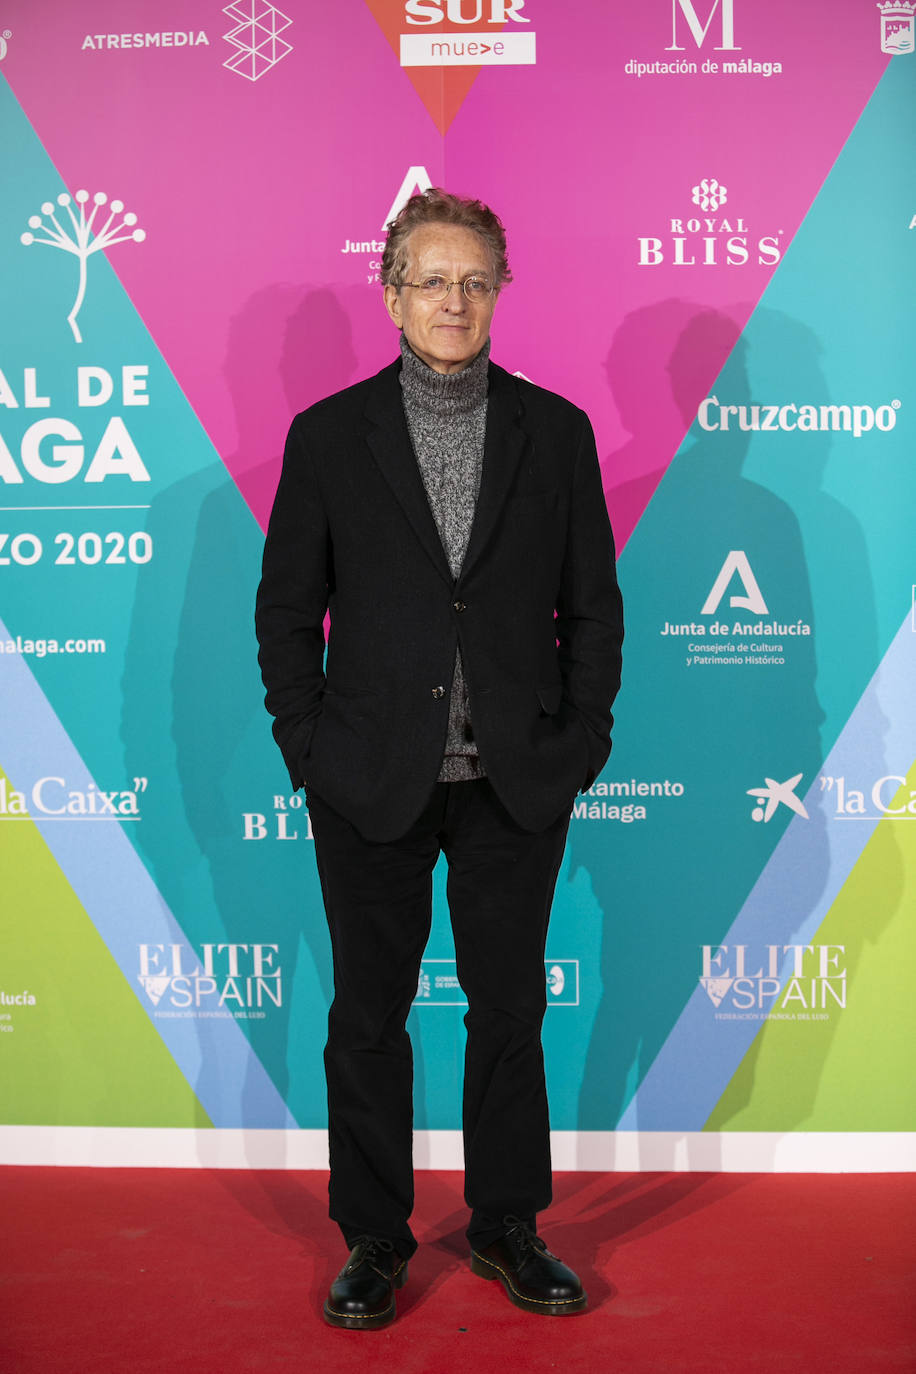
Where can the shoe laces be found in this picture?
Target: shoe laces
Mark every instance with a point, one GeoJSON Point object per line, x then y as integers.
{"type": "Point", "coordinates": [524, 1237]}
{"type": "Point", "coordinates": [373, 1249]}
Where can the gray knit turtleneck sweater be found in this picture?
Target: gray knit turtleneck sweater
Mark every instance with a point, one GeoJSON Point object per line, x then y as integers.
{"type": "Point", "coordinates": [447, 416]}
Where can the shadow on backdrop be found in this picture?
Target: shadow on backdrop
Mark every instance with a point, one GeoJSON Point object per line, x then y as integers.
{"type": "Point", "coordinates": [674, 882]}
{"type": "Point", "coordinates": [638, 371]}
{"type": "Point", "coordinates": [798, 467]}
{"type": "Point", "coordinates": [220, 775]}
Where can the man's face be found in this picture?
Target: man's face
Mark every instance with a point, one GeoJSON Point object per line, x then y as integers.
{"type": "Point", "coordinates": [447, 334]}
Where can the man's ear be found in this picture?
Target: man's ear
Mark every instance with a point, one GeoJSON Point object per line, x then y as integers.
{"type": "Point", "coordinates": [393, 305]}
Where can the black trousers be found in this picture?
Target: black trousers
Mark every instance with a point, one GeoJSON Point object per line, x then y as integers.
{"type": "Point", "coordinates": [378, 900]}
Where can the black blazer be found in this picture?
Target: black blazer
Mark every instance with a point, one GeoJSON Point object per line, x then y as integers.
{"type": "Point", "coordinates": [536, 608]}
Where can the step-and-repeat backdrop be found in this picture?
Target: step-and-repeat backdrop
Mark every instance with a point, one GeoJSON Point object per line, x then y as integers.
{"type": "Point", "coordinates": [711, 211]}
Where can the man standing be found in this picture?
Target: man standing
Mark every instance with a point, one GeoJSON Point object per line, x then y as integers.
{"type": "Point", "coordinates": [451, 519]}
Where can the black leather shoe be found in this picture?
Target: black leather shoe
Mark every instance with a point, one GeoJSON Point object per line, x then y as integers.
{"type": "Point", "coordinates": [534, 1279]}
{"type": "Point", "coordinates": [362, 1295]}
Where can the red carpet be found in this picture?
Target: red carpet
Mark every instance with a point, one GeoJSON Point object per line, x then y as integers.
{"type": "Point", "coordinates": [143, 1271]}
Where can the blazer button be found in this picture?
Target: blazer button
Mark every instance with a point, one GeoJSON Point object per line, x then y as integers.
{"type": "Point", "coordinates": [438, 692]}
{"type": "Point", "coordinates": [459, 606]}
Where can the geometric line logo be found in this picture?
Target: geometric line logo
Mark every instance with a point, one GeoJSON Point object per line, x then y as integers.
{"type": "Point", "coordinates": [256, 38]}
{"type": "Point", "coordinates": [56, 236]}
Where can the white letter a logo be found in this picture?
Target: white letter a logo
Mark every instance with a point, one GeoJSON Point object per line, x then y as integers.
{"type": "Point", "coordinates": [417, 179]}
{"type": "Point", "coordinates": [736, 562]}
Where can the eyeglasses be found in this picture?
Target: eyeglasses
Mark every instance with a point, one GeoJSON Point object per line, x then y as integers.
{"type": "Point", "coordinates": [434, 289]}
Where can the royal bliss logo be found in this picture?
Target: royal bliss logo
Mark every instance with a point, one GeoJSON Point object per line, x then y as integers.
{"type": "Point", "coordinates": [709, 239]}
{"type": "Point", "coordinates": [287, 820]}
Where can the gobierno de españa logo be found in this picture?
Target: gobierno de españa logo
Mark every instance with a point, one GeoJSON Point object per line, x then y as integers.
{"type": "Point", "coordinates": [85, 239]}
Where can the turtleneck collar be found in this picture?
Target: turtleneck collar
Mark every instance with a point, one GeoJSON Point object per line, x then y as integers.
{"type": "Point", "coordinates": [444, 393]}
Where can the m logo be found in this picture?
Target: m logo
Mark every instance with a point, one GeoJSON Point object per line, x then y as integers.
{"type": "Point", "coordinates": [417, 179]}
{"type": "Point", "coordinates": [698, 31]}
{"type": "Point", "coordinates": [736, 563]}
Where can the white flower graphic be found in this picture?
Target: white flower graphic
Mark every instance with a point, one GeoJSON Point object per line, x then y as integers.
{"type": "Point", "coordinates": [84, 240]}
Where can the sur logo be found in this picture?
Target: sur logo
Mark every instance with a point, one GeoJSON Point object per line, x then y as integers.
{"type": "Point", "coordinates": [441, 86]}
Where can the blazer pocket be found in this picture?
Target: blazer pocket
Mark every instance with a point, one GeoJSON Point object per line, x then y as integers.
{"type": "Point", "coordinates": [550, 698]}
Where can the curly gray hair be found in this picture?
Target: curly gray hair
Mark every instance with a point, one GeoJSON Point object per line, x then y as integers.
{"type": "Point", "coordinates": [436, 206]}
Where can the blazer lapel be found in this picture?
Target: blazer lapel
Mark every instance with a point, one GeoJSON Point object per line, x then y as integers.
{"type": "Point", "coordinates": [503, 447]}
{"type": "Point", "coordinates": [389, 441]}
